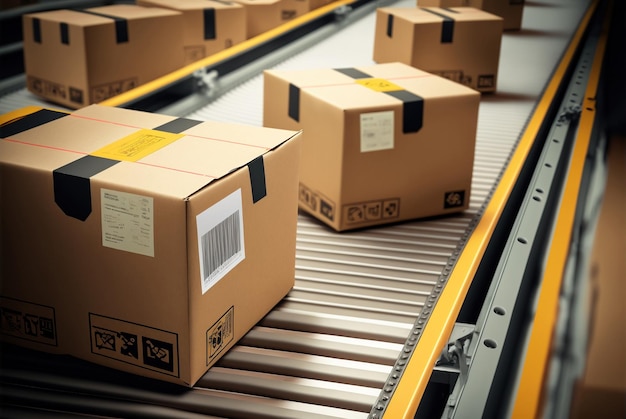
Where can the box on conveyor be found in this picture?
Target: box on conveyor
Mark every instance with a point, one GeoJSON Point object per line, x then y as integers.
{"type": "Point", "coordinates": [265, 15]}
{"type": "Point", "coordinates": [209, 26]}
{"type": "Point", "coordinates": [381, 144]}
{"type": "Point", "coordinates": [79, 57]}
{"type": "Point", "coordinates": [511, 11]}
{"type": "Point", "coordinates": [143, 242]}
{"type": "Point", "coordinates": [460, 43]}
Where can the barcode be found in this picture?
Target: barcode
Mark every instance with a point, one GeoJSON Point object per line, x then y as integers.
{"type": "Point", "coordinates": [220, 245]}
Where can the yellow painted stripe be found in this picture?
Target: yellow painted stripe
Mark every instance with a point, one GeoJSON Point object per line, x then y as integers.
{"type": "Point", "coordinates": [529, 396]}
{"type": "Point", "coordinates": [17, 114]}
{"type": "Point", "coordinates": [412, 385]}
{"type": "Point", "coordinates": [170, 78]}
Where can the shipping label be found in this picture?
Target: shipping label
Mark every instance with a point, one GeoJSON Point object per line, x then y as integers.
{"type": "Point", "coordinates": [377, 131]}
{"type": "Point", "coordinates": [127, 222]}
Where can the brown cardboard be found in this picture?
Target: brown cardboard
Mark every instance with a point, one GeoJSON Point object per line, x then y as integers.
{"type": "Point", "coordinates": [101, 253]}
{"type": "Point", "coordinates": [459, 43]}
{"type": "Point", "coordinates": [370, 155]}
{"type": "Point", "coordinates": [209, 26]}
{"type": "Point", "coordinates": [265, 15]}
{"type": "Point", "coordinates": [512, 11]}
{"type": "Point", "coordinates": [75, 58]}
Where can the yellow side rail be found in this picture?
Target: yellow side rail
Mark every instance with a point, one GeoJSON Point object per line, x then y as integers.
{"type": "Point", "coordinates": [530, 391]}
{"type": "Point", "coordinates": [411, 387]}
{"type": "Point", "coordinates": [170, 78]}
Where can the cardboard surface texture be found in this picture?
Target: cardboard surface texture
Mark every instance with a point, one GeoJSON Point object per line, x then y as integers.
{"type": "Point", "coordinates": [79, 57]}
{"type": "Point", "coordinates": [142, 241]}
{"type": "Point", "coordinates": [209, 26]}
{"type": "Point", "coordinates": [381, 144]}
{"type": "Point", "coordinates": [511, 11]}
{"type": "Point", "coordinates": [459, 43]}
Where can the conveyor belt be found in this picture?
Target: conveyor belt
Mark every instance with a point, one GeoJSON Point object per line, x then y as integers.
{"type": "Point", "coordinates": [329, 348]}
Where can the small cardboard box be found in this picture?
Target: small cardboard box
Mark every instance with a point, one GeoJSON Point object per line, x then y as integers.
{"type": "Point", "coordinates": [265, 15]}
{"type": "Point", "coordinates": [143, 242]}
{"type": "Point", "coordinates": [512, 11]}
{"type": "Point", "coordinates": [79, 57]}
{"type": "Point", "coordinates": [459, 43]}
{"type": "Point", "coordinates": [210, 26]}
{"type": "Point", "coordinates": [381, 144]}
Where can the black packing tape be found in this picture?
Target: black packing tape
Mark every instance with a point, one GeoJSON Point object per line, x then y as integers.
{"type": "Point", "coordinates": [412, 110]}
{"type": "Point", "coordinates": [65, 33]}
{"type": "Point", "coordinates": [447, 27]}
{"type": "Point", "coordinates": [293, 107]}
{"type": "Point", "coordinates": [257, 179]}
{"type": "Point", "coordinates": [72, 185]}
{"type": "Point", "coordinates": [178, 125]}
{"type": "Point", "coordinates": [209, 23]}
{"type": "Point", "coordinates": [37, 30]}
{"type": "Point", "coordinates": [35, 119]}
{"type": "Point", "coordinates": [121, 25]}
{"type": "Point", "coordinates": [412, 104]}
{"type": "Point", "coordinates": [390, 25]}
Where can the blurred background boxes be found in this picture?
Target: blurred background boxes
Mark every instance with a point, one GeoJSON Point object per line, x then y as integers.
{"type": "Point", "coordinates": [511, 11]}
{"type": "Point", "coordinates": [209, 26]}
{"type": "Point", "coordinates": [459, 43]}
{"type": "Point", "coordinates": [79, 57]}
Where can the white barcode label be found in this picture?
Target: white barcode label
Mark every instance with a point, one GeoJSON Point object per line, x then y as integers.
{"type": "Point", "coordinates": [220, 239]}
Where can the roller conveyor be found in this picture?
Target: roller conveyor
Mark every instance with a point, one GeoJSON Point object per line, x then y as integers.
{"type": "Point", "coordinates": [338, 345]}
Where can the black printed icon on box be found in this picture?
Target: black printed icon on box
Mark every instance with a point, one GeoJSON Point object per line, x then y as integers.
{"type": "Point", "coordinates": [158, 354]}
{"type": "Point", "coordinates": [373, 211]}
{"type": "Point", "coordinates": [128, 345]}
{"type": "Point", "coordinates": [76, 95]}
{"type": "Point", "coordinates": [308, 198]}
{"type": "Point", "coordinates": [105, 339]}
{"type": "Point", "coordinates": [355, 214]}
{"type": "Point", "coordinates": [11, 320]}
{"type": "Point", "coordinates": [391, 208]}
{"type": "Point", "coordinates": [327, 209]}
{"type": "Point", "coordinates": [454, 199]}
{"type": "Point", "coordinates": [46, 328]}
{"type": "Point", "coordinates": [31, 325]}
{"type": "Point", "coordinates": [486, 81]}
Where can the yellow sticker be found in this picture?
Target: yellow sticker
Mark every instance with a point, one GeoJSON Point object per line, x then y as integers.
{"type": "Point", "coordinates": [379, 85]}
{"type": "Point", "coordinates": [137, 145]}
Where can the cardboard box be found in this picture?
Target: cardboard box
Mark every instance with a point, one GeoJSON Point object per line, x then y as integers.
{"type": "Point", "coordinates": [143, 242]}
{"type": "Point", "coordinates": [459, 43]}
{"type": "Point", "coordinates": [78, 57]}
{"type": "Point", "coordinates": [381, 144]}
{"type": "Point", "coordinates": [265, 15]}
{"type": "Point", "coordinates": [210, 26]}
{"type": "Point", "coordinates": [512, 11]}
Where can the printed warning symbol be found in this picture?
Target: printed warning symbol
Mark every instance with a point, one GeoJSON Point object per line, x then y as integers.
{"type": "Point", "coordinates": [355, 214]}
{"type": "Point", "coordinates": [454, 199]}
{"type": "Point", "coordinates": [307, 197]}
{"type": "Point", "coordinates": [220, 334]}
{"type": "Point", "coordinates": [486, 81]}
{"type": "Point", "coordinates": [391, 208]}
{"type": "Point", "coordinates": [373, 211]}
{"type": "Point", "coordinates": [31, 325]}
{"type": "Point", "coordinates": [158, 354]}
{"type": "Point", "coordinates": [327, 209]}
{"type": "Point", "coordinates": [128, 345]}
{"type": "Point", "coordinates": [11, 320]}
{"type": "Point", "coordinates": [28, 321]}
{"type": "Point", "coordinates": [105, 339]}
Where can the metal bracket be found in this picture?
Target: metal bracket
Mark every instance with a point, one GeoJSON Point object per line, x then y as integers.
{"type": "Point", "coordinates": [206, 82]}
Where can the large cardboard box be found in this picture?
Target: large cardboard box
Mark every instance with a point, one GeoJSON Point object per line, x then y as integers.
{"type": "Point", "coordinates": [209, 26]}
{"type": "Point", "coordinates": [512, 11]}
{"type": "Point", "coordinates": [143, 242]}
{"type": "Point", "coordinates": [381, 144]}
{"type": "Point", "coordinates": [78, 57]}
{"type": "Point", "coordinates": [459, 43]}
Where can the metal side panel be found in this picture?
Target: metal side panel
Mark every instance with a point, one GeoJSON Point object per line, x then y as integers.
{"type": "Point", "coordinates": [329, 348]}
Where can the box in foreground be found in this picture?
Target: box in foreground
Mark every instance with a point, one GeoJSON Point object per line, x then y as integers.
{"type": "Point", "coordinates": [143, 242]}
{"type": "Point", "coordinates": [381, 144]}
{"type": "Point", "coordinates": [460, 43]}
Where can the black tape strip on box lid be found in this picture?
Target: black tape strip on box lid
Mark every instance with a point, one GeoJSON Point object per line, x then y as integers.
{"type": "Point", "coordinates": [390, 25]}
{"type": "Point", "coordinates": [447, 26]}
{"type": "Point", "coordinates": [209, 23]}
{"type": "Point", "coordinates": [65, 33]}
{"type": "Point", "coordinates": [412, 104]}
{"type": "Point", "coordinates": [255, 167]}
{"type": "Point", "coordinates": [121, 25]}
{"type": "Point", "coordinates": [37, 30]}
{"type": "Point", "coordinates": [294, 102]}
{"type": "Point", "coordinates": [32, 120]}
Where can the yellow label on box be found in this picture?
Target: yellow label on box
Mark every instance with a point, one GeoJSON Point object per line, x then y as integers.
{"type": "Point", "coordinates": [137, 145]}
{"type": "Point", "coordinates": [379, 85]}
